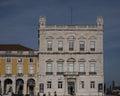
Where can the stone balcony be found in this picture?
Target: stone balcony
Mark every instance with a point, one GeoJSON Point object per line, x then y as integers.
{"type": "Point", "coordinates": [70, 74]}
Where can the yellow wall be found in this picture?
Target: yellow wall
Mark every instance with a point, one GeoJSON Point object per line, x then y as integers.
{"type": "Point", "coordinates": [14, 66]}
{"type": "Point", "coordinates": [35, 65]}
{"type": "Point", "coordinates": [25, 66]}
{"type": "Point", "coordinates": [3, 66]}
{"type": "Point", "coordinates": [15, 63]}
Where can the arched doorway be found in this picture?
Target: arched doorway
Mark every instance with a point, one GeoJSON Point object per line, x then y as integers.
{"type": "Point", "coordinates": [19, 86]}
{"type": "Point", "coordinates": [7, 86]}
{"type": "Point", "coordinates": [30, 86]}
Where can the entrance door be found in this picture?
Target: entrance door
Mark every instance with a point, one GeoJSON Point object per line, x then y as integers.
{"type": "Point", "coordinates": [71, 88]}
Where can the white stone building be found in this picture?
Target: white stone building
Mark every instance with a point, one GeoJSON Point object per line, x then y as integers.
{"type": "Point", "coordinates": [71, 59]}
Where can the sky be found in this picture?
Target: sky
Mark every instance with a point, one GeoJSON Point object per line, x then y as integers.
{"type": "Point", "coordinates": [19, 24]}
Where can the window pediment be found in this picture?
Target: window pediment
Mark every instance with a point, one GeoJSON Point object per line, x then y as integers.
{"type": "Point", "coordinates": [60, 60]}
{"type": "Point", "coordinates": [92, 38]}
{"type": "Point", "coordinates": [81, 60]}
{"type": "Point", "coordinates": [71, 60]}
{"type": "Point", "coordinates": [50, 37]}
{"type": "Point", "coordinates": [49, 60]}
{"type": "Point", "coordinates": [60, 37]}
{"type": "Point", "coordinates": [81, 37]}
{"type": "Point", "coordinates": [92, 60]}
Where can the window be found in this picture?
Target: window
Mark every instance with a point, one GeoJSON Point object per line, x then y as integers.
{"type": "Point", "coordinates": [49, 84]}
{"type": "Point", "coordinates": [19, 60]}
{"type": "Point", "coordinates": [92, 84]}
{"type": "Point", "coordinates": [71, 45]}
{"type": "Point", "coordinates": [60, 45]}
{"type": "Point", "coordinates": [60, 67]}
{"type": "Point", "coordinates": [82, 45]}
{"type": "Point", "coordinates": [8, 69]}
{"type": "Point", "coordinates": [41, 88]}
{"type": "Point", "coordinates": [92, 67]}
{"type": "Point", "coordinates": [8, 60]}
{"type": "Point", "coordinates": [59, 84]}
{"type": "Point", "coordinates": [19, 52]}
{"type": "Point", "coordinates": [49, 45]}
{"type": "Point", "coordinates": [92, 45]}
{"type": "Point", "coordinates": [82, 85]}
{"type": "Point", "coordinates": [31, 69]}
{"type": "Point", "coordinates": [82, 68]}
{"type": "Point", "coordinates": [49, 67]}
{"type": "Point", "coordinates": [31, 60]}
{"type": "Point", "coordinates": [71, 67]}
{"type": "Point", "coordinates": [20, 68]}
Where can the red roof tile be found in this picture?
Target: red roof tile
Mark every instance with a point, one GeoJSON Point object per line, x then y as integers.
{"type": "Point", "coordinates": [14, 47]}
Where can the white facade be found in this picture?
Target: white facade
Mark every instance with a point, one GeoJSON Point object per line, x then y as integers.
{"type": "Point", "coordinates": [71, 59]}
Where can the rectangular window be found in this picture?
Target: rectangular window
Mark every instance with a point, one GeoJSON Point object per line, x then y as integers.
{"type": "Point", "coordinates": [20, 68]}
{"type": "Point", "coordinates": [92, 67]}
{"type": "Point", "coordinates": [31, 69]}
{"type": "Point", "coordinates": [49, 84]}
{"type": "Point", "coordinates": [59, 84]}
{"type": "Point", "coordinates": [41, 88]}
{"type": "Point", "coordinates": [71, 67]}
{"type": "Point", "coordinates": [31, 60]}
{"type": "Point", "coordinates": [92, 84]}
{"type": "Point", "coordinates": [82, 85]}
{"type": "Point", "coordinates": [71, 45]}
{"type": "Point", "coordinates": [8, 60]}
{"type": "Point", "coordinates": [49, 67]}
{"type": "Point", "coordinates": [82, 68]}
{"type": "Point", "coordinates": [8, 69]}
{"type": "Point", "coordinates": [60, 67]}
{"type": "Point", "coordinates": [60, 45]}
{"type": "Point", "coordinates": [82, 45]}
{"type": "Point", "coordinates": [92, 45]}
{"type": "Point", "coordinates": [19, 60]}
{"type": "Point", "coordinates": [49, 45]}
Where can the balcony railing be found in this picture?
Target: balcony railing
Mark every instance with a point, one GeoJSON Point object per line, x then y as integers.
{"type": "Point", "coordinates": [49, 73]}
{"type": "Point", "coordinates": [19, 74]}
{"type": "Point", "coordinates": [31, 74]}
{"type": "Point", "coordinates": [92, 73]}
{"type": "Point", "coordinates": [59, 73]}
{"type": "Point", "coordinates": [8, 74]}
{"type": "Point", "coordinates": [82, 73]}
{"type": "Point", "coordinates": [71, 74]}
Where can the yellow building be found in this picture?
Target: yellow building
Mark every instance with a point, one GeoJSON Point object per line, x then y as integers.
{"type": "Point", "coordinates": [18, 69]}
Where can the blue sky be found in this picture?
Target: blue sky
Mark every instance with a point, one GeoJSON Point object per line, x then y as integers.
{"type": "Point", "coordinates": [19, 24]}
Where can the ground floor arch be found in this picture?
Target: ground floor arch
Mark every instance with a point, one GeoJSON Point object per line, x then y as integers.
{"type": "Point", "coordinates": [7, 86]}
{"type": "Point", "coordinates": [31, 87]}
{"type": "Point", "coordinates": [19, 86]}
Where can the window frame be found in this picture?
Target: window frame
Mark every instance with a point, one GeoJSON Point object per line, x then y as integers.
{"type": "Point", "coordinates": [60, 45]}
{"type": "Point", "coordinates": [92, 67]}
{"type": "Point", "coordinates": [41, 88]}
{"type": "Point", "coordinates": [92, 45]}
{"type": "Point", "coordinates": [60, 84]}
{"type": "Point", "coordinates": [92, 84]}
{"type": "Point", "coordinates": [71, 45]}
{"type": "Point", "coordinates": [49, 84]}
{"type": "Point", "coordinates": [49, 45]}
{"type": "Point", "coordinates": [82, 84]}
{"type": "Point", "coordinates": [82, 45]}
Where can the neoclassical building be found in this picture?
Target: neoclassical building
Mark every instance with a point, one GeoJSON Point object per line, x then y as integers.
{"type": "Point", "coordinates": [18, 69]}
{"type": "Point", "coordinates": [71, 59]}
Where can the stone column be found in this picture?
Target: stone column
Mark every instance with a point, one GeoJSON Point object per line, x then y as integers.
{"type": "Point", "coordinates": [25, 87]}
{"type": "Point", "coordinates": [14, 85]}
{"type": "Point", "coordinates": [65, 93]}
{"type": "Point", "coordinates": [2, 86]}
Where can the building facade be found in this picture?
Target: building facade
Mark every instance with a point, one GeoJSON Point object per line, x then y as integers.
{"type": "Point", "coordinates": [71, 59]}
{"type": "Point", "coordinates": [18, 69]}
